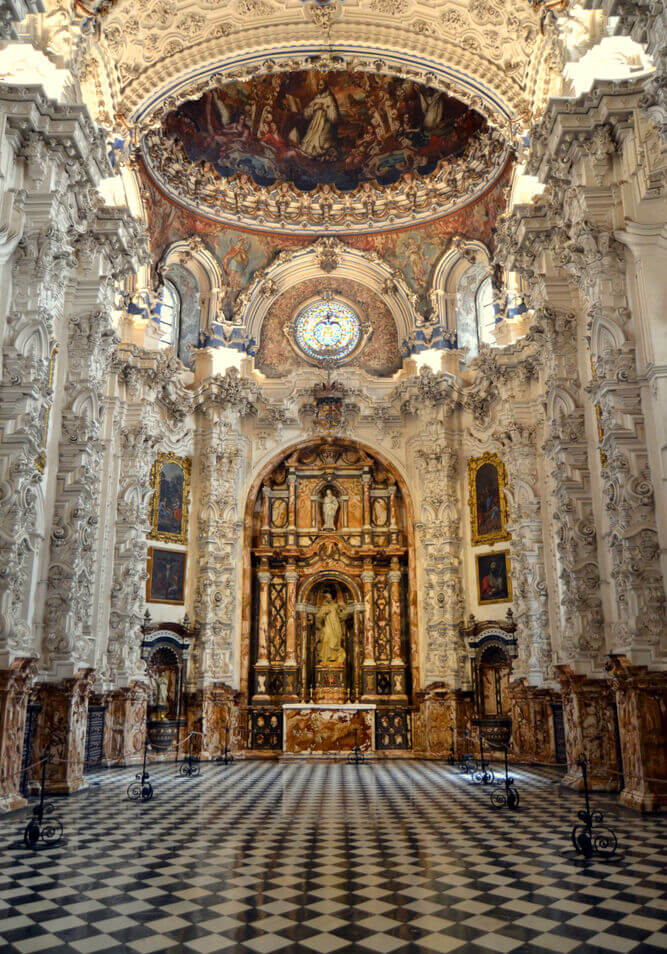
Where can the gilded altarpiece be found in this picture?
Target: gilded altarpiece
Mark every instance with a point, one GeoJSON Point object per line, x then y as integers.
{"type": "Point", "coordinates": [329, 561]}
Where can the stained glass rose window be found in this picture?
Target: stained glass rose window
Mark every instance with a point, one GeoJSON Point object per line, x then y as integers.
{"type": "Point", "coordinates": [327, 330]}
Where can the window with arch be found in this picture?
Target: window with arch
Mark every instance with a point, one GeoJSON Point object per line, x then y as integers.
{"type": "Point", "coordinates": [475, 313]}
{"type": "Point", "coordinates": [170, 308]}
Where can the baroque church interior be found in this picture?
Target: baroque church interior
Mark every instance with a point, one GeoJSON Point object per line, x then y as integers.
{"type": "Point", "coordinates": [333, 475]}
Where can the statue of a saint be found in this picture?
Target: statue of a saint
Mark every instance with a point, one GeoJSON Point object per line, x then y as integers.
{"type": "Point", "coordinates": [162, 689]}
{"type": "Point", "coordinates": [330, 649]}
{"type": "Point", "coordinates": [329, 510]}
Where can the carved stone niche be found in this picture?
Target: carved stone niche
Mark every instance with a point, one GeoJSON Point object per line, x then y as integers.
{"type": "Point", "coordinates": [166, 648]}
{"type": "Point", "coordinates": [492, 648]}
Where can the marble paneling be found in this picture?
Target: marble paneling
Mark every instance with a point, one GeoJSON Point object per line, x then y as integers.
{"type": "Point", "coordinates": [322, 731]}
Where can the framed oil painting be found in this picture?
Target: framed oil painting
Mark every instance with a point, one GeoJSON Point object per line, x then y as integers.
{"type": "Point", "coordinates": [494, 582]}
{"type": "Point", "coordinates": [170, 482]}
{"type": "Point", "coordinates": [487, 478]}
{"type": "Point", "coordinates": [166, 576]}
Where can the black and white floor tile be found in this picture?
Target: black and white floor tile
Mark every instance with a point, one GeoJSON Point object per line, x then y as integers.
{"type": "Point", "coordinates": [262, 857]}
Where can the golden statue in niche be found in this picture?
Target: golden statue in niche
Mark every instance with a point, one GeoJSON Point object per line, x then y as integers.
{"type": "Point", "coordinates": [330, 632]}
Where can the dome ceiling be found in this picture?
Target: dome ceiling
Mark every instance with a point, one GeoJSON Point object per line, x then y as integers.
{"type": "Point", "coordinates": [309, 128]}
{"type": "Point", "coordinates": [323, 151]}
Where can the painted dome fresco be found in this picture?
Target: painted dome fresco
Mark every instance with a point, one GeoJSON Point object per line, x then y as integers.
{"type": "Point", "coordinates": [324, 151]}
{"type": "Point", "coordinates": [308, 128]}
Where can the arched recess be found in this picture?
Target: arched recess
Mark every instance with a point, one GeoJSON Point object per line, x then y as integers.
{"type": "Point", "coordinates": [196, 274]}
{"type": "Point", "coordinates": [328, 258]}
{"type": "Point", "coordinates": [459, 279]}
{"type": "Point", "coordinates": [368, 548]}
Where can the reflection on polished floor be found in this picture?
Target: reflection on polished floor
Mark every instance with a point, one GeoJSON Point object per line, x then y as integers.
{"type": "Point", "coordinates": [325, 857]}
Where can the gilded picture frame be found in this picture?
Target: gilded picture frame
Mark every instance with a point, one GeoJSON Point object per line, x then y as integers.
{"type": "Point", "coordinates": [170, 502]}
{"type": "Point", "coordinates": [166, 576]}
{"type": "Point", "coordinates": [487, 479]}
{"type": "Point", "coordinates": [494, 577]}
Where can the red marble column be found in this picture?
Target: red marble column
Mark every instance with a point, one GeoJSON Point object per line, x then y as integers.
{"type": "Point", "coordinates": [393, 517]}
{"type": "Point", "coordinates": [367, 579]}
{"type": "Point", "coordinates": [366, 487]}
{"type": "Point", "coordinates": [125, 725]}
{"type": "Point", "coordinates": [641, 698]}
{"type": "Point", "coordinates": [61, 731]}
{"type": "Point", "coordinates": [262, 664]}
{"type": "Point", "coordinates": [397, 663]}
{"type": "Point", "coordinates": [291, 578]}
{"type": "Point", "coordinates": [266, 518]}
{"type": "Point", "coordinates": [589, 731]}
{"type": "Point", "coordinates": [291, 509]}
{"type": "Point", "coordinates": [394, 577]}
{"type": "Point", "coordinates": [15, 684]}
{"type": "Point", "coordinates": [217, 722]}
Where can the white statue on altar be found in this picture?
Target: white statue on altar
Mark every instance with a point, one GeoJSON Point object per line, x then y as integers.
{"type": "Point", "coordinates": [330, 633]}
{"type": "Point", "coordinates": [162, 689]}
{"type": "Point", "coordinates": [329, 510]}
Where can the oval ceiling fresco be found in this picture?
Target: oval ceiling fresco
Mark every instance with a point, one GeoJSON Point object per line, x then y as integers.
{"type": "Point", "coordinates": [310, 129]}
{"type": "Point", "coordinates": [309, 151]}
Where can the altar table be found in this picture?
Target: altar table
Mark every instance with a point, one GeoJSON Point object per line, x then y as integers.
{"type": "Point", "coordinates": [311, 729]}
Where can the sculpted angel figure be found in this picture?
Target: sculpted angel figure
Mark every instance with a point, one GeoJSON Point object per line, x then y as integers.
{"type": "Point", "coordinates": [329, 510]}
{"type": "Point", "coordinates": [330, 649]}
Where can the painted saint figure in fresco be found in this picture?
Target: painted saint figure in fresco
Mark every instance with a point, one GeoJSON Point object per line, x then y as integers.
{"type": "Point", "coordinates": [322, 111]}
{"type": "Point", "coordinates": [312, 129]}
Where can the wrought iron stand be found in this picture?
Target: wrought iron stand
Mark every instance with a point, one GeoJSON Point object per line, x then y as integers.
{"type": "Point", "coordinates": [451, 758]}
{"type": "Point", "coordinates": [189, 767]}
{"type": "Point", "coordinates": [484, 775]}
{"type": "Point", "coordinates": [227, 756]}
{"type": "Point", "coordinates": [357, 756]}
{"type": "Point", "coordinates": [50, 831]}
{"type": "Point", "coordinates": [592, 837]}
{"type": "Point", "coordinates": [467, 763]}
{"type": "Point", "coordinates": [510, 796]}
{"type": "Point", "coordinates": [141, 788]}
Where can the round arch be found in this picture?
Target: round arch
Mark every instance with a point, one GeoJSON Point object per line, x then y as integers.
{"type": "Point", "coordinates": [252, 499]}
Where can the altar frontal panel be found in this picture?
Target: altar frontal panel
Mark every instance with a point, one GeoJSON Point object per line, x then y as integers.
{"type": "Point", "coordinates": [323, 731]}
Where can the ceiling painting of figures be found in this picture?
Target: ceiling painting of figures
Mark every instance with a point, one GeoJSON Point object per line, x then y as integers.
{"type": "Point", "coordinates": [309, 129]}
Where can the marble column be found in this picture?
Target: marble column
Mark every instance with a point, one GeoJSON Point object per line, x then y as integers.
{"type": "Point", "coordinates": [393, 517]}
{"type": "Point", "coordinates": [266, 517]}
{"type": "Point", "coordinates": [641, 699]}
{"type": "Point", "coordinates": [125, 725]}
{"type": "Point", "coordinates": [291, 578]}
{"type": "Point", "coordinates": [367, 579]}
{"type": "Point", "coordinates": [589, 731]}
{"type": "Point", "coordinates": [366, 487]}
{"type": "Point", "coordinates": [262, 664]}
{"type": "Point", "coordinates": [397, 663]}
{"type": "Point", "coordinates": [15, 685]}
{"type": "Point", "coordinates": [61, 732]}
{"type": "Point", "coordinates": [291, 507]}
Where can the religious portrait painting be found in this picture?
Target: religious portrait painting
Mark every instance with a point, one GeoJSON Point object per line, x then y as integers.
{"type": "Point", "coordinates": [166, 576]}
{"type": "Point", "coordinates": [170, 482]}
{"type": "Point", "coordinates": [487, 478]}
{"type": "Point", "coordinates": [494, 583]}
{"type": "Point", "coordinates": [310, 128]}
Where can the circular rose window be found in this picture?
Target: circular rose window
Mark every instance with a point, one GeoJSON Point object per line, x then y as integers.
{"type": "Point", "coordinates": [327, 330]}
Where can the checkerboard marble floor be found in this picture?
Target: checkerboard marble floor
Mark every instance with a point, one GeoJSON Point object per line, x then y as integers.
{"type": "Point", "coordinates": [326, 857]}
